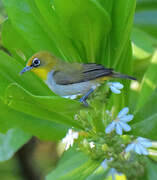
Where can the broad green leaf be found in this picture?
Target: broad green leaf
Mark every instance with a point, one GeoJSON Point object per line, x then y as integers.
{"type": "Point", "coordinates": [11, 142]}
{"type": "Point", "coordinates": [122, 19]}
{"type": "Point", "coordinates": [99, 174]}
{"type": "Point", "coordinates": [55, 109]}
{"type": "Point", "coordinates": [139, 38]}
{"type": "Point", "coordinates": [151, 167]}
{"type": "Point", "coordinates": [123, 97]}
{"type": "Point", "coordinates": [145, 121]}
{"type": "Point", "coordinates": [23, 20]}
{"type": "Point", "coordinates": [39, 127]}
{"type": "Point", "coordinates": [86, 23]}
{"type": "Point", "coordinates": [20, 50]}
{"type": "Point", "coordinates": [149, 82]}
{"type": "Point", "coordinates": [73, 165]}
{"type": "Point", "coordinates": [63, 43]}
{"type": "Point", "coordinates": [107, 5]}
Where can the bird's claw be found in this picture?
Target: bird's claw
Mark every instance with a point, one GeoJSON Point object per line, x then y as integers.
{"type": "Point", "coordinates": [84, 102]}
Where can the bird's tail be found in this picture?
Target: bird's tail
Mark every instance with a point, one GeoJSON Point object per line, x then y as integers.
{"type": "Point", "coordinates": [123, 76]}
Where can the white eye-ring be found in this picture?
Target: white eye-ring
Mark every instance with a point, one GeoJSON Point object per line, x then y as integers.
{"type": "Point", "coordinates": [36, 62]}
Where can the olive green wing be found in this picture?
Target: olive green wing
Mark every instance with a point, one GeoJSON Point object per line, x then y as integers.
{"type": "Point", "coordinates": [80, 73]}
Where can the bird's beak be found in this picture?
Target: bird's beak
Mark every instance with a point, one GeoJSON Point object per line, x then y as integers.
{"type": "Point", "coordinates": [27, 68]}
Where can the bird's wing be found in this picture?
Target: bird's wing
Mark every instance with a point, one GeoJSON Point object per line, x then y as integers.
{"type": "Point", "coordinates": [80, 73]}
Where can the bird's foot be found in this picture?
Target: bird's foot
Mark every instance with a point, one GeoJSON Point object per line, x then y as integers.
{"type": "Point", "coordinates": [84, 98]}
{"type": "Point", "coordinates": [84, 102]}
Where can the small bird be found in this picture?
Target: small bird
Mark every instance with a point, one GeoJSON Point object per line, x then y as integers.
{"type": "Point", "coordinates": [70, 79]}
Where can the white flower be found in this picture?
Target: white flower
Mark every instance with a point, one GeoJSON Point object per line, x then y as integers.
{"type": "Point", "coordinates": [115, 87]}
{"type": "Point", "coordinates": [120, 123]}
{"type": "Point", "coordinates": [91, 144]}
{"type": "Point", "coordinates": [68, 140]}
{"type": "Point", "coordinates": [140, 146]}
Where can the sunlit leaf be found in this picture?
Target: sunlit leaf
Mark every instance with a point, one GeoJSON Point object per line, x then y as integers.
{"type": "Point", "coordinates": [73, 165]}
{"type": "Point", "coordinates": [56, 109]}
{"type": "Point", "coordinates": [145, 121]}
{"type": "Point", "coordinates": [149, 82]}
{"type": "Point", "coordinates": [39, 127]}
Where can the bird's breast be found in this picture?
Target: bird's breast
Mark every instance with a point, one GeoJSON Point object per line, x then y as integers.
{"type": "Point", "coordinates": [69, 89]}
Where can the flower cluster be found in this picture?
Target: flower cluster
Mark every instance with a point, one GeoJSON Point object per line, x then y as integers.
{"type": "Point", "coordinates": [119, 125]}
{"type": "Point", "coordinates": [99, 146]}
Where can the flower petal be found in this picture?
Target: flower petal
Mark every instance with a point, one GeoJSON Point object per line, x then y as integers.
{"type": "Point", "coordinates": [125, 126]}
{"type": "Point", "coordinates": [138, 149]}
{"type": "Point", "coordinates": [144, 151]}
{"type": "Point", "coordinates": [115, 90]}
{"type": "Point", "coordinates": [123, 112]}
{"type": "Point", "coordinates": [70, 132]}
{"type": "Point", "coordinates": [75, 135]}
{"type": "Point", "coordinates": [113, 173]}
{"type": "Point", "coordinates": [117, 85]}
{"type": "Point", "coordinates": [130, 147]}
{"type": "Point", "coordinates": [104, 164]}
{"type": "Point", "coordinates": [68, 140]}
{"type": "Point", "coordinates": [145, 142]}
{"type": "Point", "coordinates": [127, 118]}
{"type": "Point", "coordinates": [141, 149]}
{"type": "Point", "coordinates": [119, 129]}
{"type": "Point", "coordinates": [110, 127]}
{"type": "Point", "coordinates": [142, 139]}
{"type": "Point", "coordinates": [91, 144]}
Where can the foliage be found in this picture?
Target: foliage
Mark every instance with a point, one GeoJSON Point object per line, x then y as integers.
{"type": "Point", "coordinates": [85, 31]}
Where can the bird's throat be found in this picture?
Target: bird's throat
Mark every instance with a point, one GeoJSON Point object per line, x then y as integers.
{"type": "Point", "coordinates": [42, 73]}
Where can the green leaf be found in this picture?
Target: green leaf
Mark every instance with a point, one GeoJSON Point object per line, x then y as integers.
{"type": "Point", "coordinates": [125, 93]}
{"type": "Point", "coordinates": [149, 82]}
{"type": "Point", "coordinates": [151, 167]}
{"type": "Point", "coordinates": [73, 165]}
{"type": "Point", "coordinates": [55, 109]}
{"type": "Point", "coordinates": [107, 5]}
{"type": "Point", "coordinates": [86, 23]}
{"type": "Point", "coordinates": [11, 142]}
{"type": "Point", "coordinates": [62, 42]}
{"type": "Point", "coordinates": [145, 121]}
{"type": "Point", "coordinates": [99, 174]}
{"type": "Point", "coordinates": [22, 18]}
{"type": "Point", "coordinates": [122, 20]}
{"type": "Point", "coordinates": [39, 127]}
{"type": "Point", "coordinates": [143, 50]}
{"type": "Point", "coordinates": [20, 49]}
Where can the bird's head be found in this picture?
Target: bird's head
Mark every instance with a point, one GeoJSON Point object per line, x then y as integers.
{"type": "Point", "coordinates": [41, 64]}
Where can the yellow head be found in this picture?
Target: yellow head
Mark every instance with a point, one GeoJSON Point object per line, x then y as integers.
{"type": "Point", "coordinates": [41, 64]}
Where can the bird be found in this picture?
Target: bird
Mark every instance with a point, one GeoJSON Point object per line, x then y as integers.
{"type": "Point", "coordinates": [70, 79]}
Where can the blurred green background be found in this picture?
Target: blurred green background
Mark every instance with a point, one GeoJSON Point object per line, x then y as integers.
{"type": "Point", "coordinates": [37, 158]}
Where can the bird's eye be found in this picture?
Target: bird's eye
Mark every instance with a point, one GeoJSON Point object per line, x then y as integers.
{"type": "Point", "coordinates": [36, 62]}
